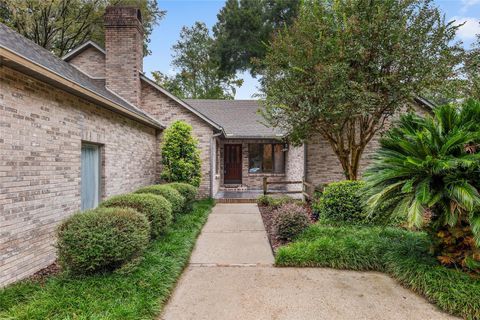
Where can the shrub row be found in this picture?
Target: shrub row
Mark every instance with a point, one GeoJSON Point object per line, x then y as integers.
{"type": "Point", "coordinates": [119, 230]}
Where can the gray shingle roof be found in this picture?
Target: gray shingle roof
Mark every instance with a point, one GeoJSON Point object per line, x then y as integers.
{"type": "Point", "coordinates": [238, 118]}
{"type": "Point", "coordinates": [16, 43]}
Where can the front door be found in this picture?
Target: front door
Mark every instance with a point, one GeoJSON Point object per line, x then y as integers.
{"type": "Point", "coordinates": [232, 164]}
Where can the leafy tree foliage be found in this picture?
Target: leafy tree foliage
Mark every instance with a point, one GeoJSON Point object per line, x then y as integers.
{"type": "Point", "coordinates": [61, 25]}
{"type": "Point", "coordinates": [345, 66]}
{"type": "Point", "coordinates": [472, 71]}
{"type": "Point", "coordinates": [198, 75]}
{"type": "Point", "coordinates": [244, 29]}
{"type": "Point", "coordinates": [180, 155]}
{"type": "Point", "coordinates": [427, 169]}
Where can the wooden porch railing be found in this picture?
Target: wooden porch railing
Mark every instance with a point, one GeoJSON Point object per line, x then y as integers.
{"type": "Point", "coordinates": [306, 187]}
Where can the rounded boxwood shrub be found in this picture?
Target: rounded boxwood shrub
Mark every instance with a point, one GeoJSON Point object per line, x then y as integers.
{"type": "Point", "coordinates": [290, 220]}
{"type": "Point", "coordinates": [173, 196]}
{"type": "Point", "coordinates": [341, 201]}
{"type": "Point", "coordinates": [188, 191]}
{"type": "Point", "coordinates": [156, 208]}
{"type": "Point", "coordinates": [101, 239]}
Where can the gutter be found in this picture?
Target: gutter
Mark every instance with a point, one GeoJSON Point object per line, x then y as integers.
{"type": "Point", "coordinates": [54, 76]}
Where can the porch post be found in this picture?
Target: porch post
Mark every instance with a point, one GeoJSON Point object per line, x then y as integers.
{"type": "Point", "coordinates": [264, 186]}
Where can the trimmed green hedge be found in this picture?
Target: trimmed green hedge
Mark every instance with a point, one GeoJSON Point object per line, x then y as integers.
{"type": "Point", "coordinates": [172, 195]}
{"type": "Point", "coordinates": [400, 253]}
{"type": "Point", "coordinates": [157, 209]}
{"type": "Point", "coordinates": [188, 191]}
{"type": "Point", "coordinates": [101, 239]}
{"type": "Point", "coordinates": [341, 201]}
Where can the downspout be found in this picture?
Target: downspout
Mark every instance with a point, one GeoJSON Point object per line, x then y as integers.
{"type": "Point", "coordinates": [213, 157]}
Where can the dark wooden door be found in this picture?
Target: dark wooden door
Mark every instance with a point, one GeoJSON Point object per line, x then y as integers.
{"type": "Point", "coordinates": [232, 155]}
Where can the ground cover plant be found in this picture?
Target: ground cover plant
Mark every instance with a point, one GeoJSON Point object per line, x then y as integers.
{"type": "Point", "coordinates": [401, 253]}
{"type": "Point", "coordinates": [139, 294]}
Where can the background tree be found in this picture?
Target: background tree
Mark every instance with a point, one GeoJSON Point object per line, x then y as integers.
{"type": "Point", "coordinates": [198, 75]}
{"type": "Point", "coordinates": [345, 66]}
{"type": "Point", "coordinates": [180, 155]}
{"type": "Point", "coordinates": [244, 29]}
{"type": "Point", "coordinates": [472, 71]}
{"type": "Point", "coordinates": [61, 25]}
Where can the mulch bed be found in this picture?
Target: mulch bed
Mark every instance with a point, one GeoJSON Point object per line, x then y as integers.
{"type": "Point", "coordinates": [42, 275]}
{"type": "Point", "coordinates": [267, 213]}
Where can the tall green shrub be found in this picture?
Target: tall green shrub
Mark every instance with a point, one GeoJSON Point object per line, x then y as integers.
{"type": "Point", "coordinates": [180, 155]}
{"type": "Point", "coordinates": [427, 170]}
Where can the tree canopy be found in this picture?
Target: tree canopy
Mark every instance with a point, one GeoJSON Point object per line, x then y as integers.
{"type": "Point", "coordinates": [198, 75]}
{"type": "Point", "coordinates": [61, 25]}
{"type": "Point", "coordinates": [345, 66]}
{"type": "Point", "coordinates": [244, 28]}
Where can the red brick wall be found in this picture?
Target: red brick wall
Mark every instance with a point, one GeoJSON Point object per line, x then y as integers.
{"type": "Point", "coordinates": [41, 130]}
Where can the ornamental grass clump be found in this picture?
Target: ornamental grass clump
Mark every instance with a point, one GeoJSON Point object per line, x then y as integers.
{"type": "Point", "coordinates": [427, 170]}
{"type": "Point", "coordinates": [289, 221]}
{"type": "Point", "coordinates": [102, 239]}
{"type": "Point", "coordinates": [155, 207]}
{"type": "Point", "coordinates": [173, 196]}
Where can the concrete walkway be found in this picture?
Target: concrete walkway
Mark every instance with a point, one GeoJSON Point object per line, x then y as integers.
{"type": "Point", "coordinates": [231, 276]}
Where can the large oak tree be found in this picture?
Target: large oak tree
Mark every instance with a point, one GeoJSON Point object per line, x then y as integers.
{"type": "Point", "coordinates": [345, 66]}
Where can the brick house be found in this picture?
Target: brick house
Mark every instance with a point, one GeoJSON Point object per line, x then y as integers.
{"type": "Point", "coordinates": [76, 130]}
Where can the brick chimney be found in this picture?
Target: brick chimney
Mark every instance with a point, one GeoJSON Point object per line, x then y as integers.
{"type": "Point", "coordinates": [124, 51]}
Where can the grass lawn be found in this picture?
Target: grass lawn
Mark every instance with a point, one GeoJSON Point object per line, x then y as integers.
{"type": "Point", "coordinates": [402, 254]}
{"type": "Point", "coordinates": [140, 294]}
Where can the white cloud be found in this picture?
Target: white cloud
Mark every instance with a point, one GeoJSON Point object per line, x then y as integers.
{"type": "Point", "coordinates": [471, 27]}
{"type": "Point", "coordinates": [467, 4]}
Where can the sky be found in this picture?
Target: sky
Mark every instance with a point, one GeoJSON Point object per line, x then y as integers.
{"type": "Point", "coordinates": [185, 12]}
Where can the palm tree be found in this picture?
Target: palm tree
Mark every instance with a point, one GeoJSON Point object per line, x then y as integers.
{"type": "Point", "coordinates": [428, 170]}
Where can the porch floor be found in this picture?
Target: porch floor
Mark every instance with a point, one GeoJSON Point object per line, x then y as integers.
{"type": "Point", "coordinates": [250, 195]}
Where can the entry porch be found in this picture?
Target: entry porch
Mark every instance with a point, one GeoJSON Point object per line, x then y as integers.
{"type": "Point", "coordinates": [241, 165]}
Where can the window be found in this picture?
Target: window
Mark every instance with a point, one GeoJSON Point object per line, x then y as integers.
{"type": "Point", "coordinates": [90, 175]}
{"type": "Point", "coordinates": [266, 158]}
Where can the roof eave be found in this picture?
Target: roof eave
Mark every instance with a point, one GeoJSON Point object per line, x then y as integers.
{"type": "Point", "coordinates": [73, 86]}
